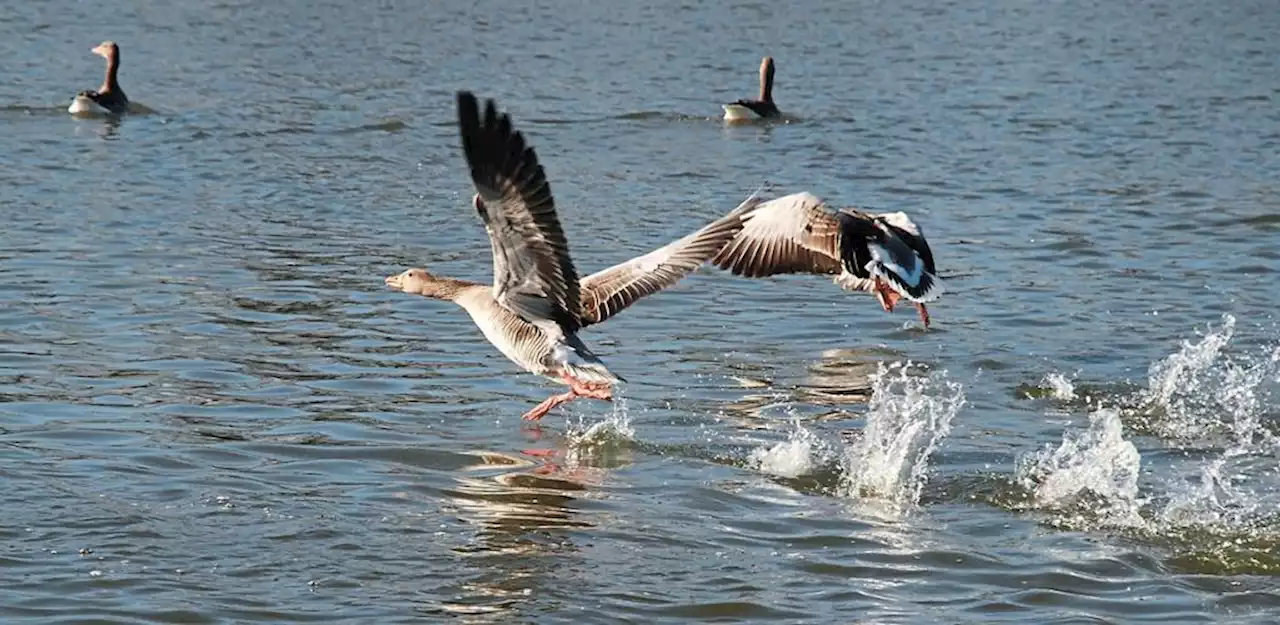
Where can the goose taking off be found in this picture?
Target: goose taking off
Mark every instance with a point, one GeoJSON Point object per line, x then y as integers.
{"type": "Point", "coordinates": [884, 254]}
{"type": "Point", "coordinates": [109, 99]}
{"type": "Point", "coordinates": [755, 109]}
{"type": "Point", "coordinates": [537, 304]}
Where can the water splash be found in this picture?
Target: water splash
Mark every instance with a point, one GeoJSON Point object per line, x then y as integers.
{"type": "Point", "coordinates": [599, 443]}
{"type": "Point", "coordinates": [1213, 500]}
{"type": "Point", "coordinates": [1060, 386]}
{"type": "Point", "coordinates": [615, 427]}
{"type": "Point", "coordinates": [908, 416]}
{"type": "Point", "coordinates": [796, 456]}
{"type": "Point", "coordinates": [1202, 394]}
{"type": "Point", "coordinates": [1215, 509]}
{"type": "Point", "coordinates": [1091, 477]}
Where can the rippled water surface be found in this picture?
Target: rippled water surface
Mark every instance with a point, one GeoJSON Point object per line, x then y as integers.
{"type": "Point", "coordinates": [213, 411]}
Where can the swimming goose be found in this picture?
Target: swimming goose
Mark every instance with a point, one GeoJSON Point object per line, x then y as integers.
{"type": "Point", "coordinates": [109, 99]}
{"type": "Point", "coordinates": [884, 254]}
{"type": "Point", "coordinates": [537, 304]}
{"type": "Point", "coordinates": [752, 109]}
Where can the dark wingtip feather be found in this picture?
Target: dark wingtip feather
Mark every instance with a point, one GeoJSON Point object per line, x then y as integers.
{"type": "Point", "coordinates": [492, 146]}
{"type": "Point", "coordinates": [506, 172]}
{"type": "Point", "coordinates": [468, 113]}
{"type": "Point", "coordinates": [468, 123]}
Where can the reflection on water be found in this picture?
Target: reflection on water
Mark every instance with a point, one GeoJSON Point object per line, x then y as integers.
{"type": "Point", "coordinates": [525, 514]}
{"type": "Point", "coordinates": [520, 519]}
{"type": "Point", "coordinates": [844, 375]}
{"type": "Point", "coordinates": [840, 378]}
{"type": "Point", "coordinates": [105, 128]}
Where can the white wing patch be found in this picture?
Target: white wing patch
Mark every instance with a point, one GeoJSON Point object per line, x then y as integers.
{"type": "Point", "coordinates": [900, 220]}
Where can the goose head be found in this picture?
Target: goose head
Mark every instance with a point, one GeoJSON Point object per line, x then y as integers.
{"type": "Point", "coordinates": [107, 50]}
{"type": "Point", "coordinates": [416, 281]}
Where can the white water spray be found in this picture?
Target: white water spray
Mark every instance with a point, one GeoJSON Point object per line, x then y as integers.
{"type": "Point", "coordinates": [796, 456]}
{"type": "Point", "coordinates": [1092, 473]}
{"type": "Point", "coordinates": [907, 419]}
{"type": "Point", "coordinates": [1221, 509]}
{"type": "Point", "coordinates": [1060, 386]}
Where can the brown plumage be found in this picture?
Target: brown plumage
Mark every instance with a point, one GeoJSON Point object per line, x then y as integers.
{"type": "Point", "coordinates": [884, 254]}
{"type": "Point", "coordinates": [109, 97]}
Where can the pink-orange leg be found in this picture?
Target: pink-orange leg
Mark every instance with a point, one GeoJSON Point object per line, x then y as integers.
{"type": "Point", "coordinates": [592, 390]}
{"type": "Point", "coordinates": [885, 295]}
{"type": "Point", "coordinates": [888, 298]}
{"type": "Point", "coordinates": [924, 314]}
{"type": "Point", "coordinates": [547, 404]}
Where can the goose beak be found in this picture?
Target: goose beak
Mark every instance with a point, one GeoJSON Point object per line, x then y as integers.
{"type": "Point", "coordinates": [393, 281]}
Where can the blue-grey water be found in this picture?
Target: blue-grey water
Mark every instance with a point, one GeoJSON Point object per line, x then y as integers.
{"type": "Point", "coordinates": [213, 411]}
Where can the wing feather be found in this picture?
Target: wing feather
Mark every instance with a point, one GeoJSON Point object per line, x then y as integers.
{"type": "Point", "coordinates": [791, 234]}
{"type": "Point", "coordinates": [607, 292]}
{"type": "Point", "coordinates": [533, 275]}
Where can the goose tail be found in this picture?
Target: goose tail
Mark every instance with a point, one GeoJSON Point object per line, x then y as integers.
{"type": "Point", "coordinates": [582, 365]}
{"type": "Point", "coordinates": [920, 288]}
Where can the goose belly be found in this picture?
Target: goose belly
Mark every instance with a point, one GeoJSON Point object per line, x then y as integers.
{"type": "Point", "coordinates": [520, 341]}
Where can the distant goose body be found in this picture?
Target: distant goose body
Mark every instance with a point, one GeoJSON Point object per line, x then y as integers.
{"type": "Point", "coordinates": [108, 99]}
{"type": "Point", "coordinates": [883, 254]}
{"type": "Point", "coordinates": [537, 304]}
{"type": "Point", "coordinates": [761, 108]}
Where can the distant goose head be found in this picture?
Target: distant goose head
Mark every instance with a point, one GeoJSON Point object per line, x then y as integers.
{"type": "Point", "coordinates": [762, 107]}
{"type": "Point", "coordinates": [109, 98]}
{"type": "Point", "coordinates": [108, 50]}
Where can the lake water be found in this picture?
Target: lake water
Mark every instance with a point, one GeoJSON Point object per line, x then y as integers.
{"type": "Point", "coordinates": [213, 411]}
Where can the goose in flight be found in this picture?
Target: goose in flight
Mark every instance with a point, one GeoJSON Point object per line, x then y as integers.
{"type": "Point", "coordinates": [533, 311]}
{"type": "Point", "coordinates": [884, 254]}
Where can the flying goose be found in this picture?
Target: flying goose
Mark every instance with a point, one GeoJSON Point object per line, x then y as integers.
{"type": "Point", "coordinates": [884, 254]}
{"type": "Point", "coordinates": [752, 109]}
{"type": "Point", "coordinates": [109, 99]}
{"type": "Point", "coordinates": [537, 304]}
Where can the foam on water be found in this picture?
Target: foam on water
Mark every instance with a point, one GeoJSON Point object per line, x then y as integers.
{"type": "Point", "coordinates": [908, 416]}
